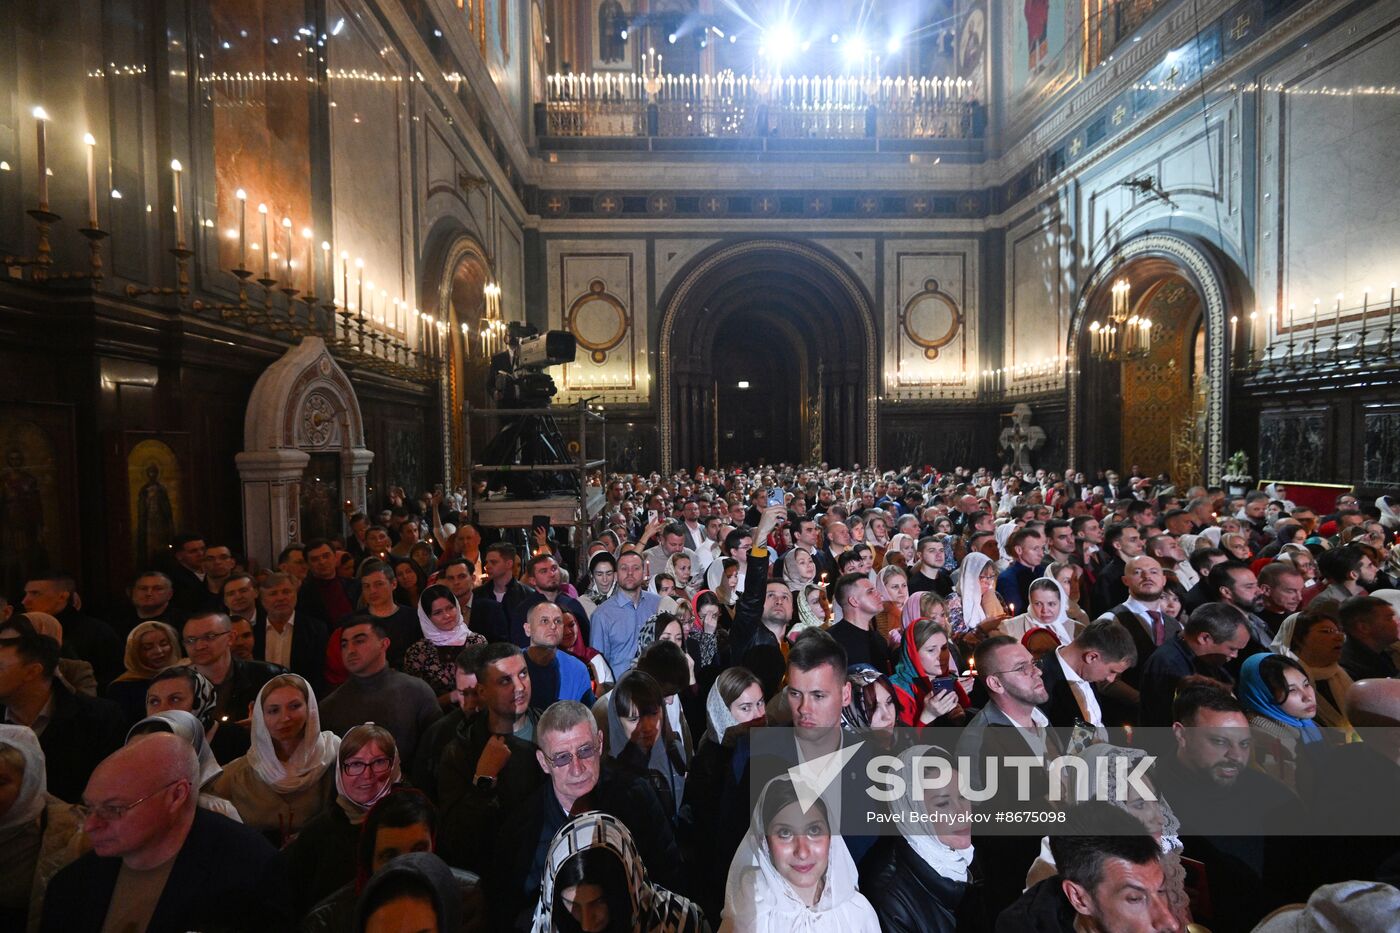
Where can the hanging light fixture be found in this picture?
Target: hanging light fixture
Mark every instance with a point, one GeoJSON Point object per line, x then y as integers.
{"type": "Point", "coordinates": [1124, 335]}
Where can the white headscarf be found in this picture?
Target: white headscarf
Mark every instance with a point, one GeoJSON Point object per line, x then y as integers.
{"type": "Point", "coordinates": [948, 862]}
{"type": "Point", "coordinates": [1338, 680]}
{"type": "Point", "coordinates": [1061, 625]}
{"type": "Point", "coordinates": [187, 727]}
{"type": "Point", "coordinates": [308, 762]}
{"type": "Point", "coordinates": [1004, 532]}
{"type": "Point", "coordinates": [758, 899]}
{"type": "Point", "coordinates": [1390, 518]}
{"type": "Point", "coordinates": [969, 588]}
{"type": "Point", "coordinates": [457, 635]}
{"type": "Point", "coordinates": [33, 787]}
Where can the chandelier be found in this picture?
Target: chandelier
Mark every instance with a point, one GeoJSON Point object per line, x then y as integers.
{"type": "Point", "coordinates": [1124, 336]}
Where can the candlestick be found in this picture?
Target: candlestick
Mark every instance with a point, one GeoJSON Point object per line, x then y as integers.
{"type": "Point", "coordinates": [40, 118]}
{"type": "Point", "coordinates": [360, 285]}
{"type": "Point", "coordinates": [1337, 327]}
{"type": "Point", "coordinates": [330, 269]}
{"type": "Point", "coordinates": [242, 197]}
{"type": "Point", "coordinates": [310, 237]}
{"type": "Point", "coordinates": [91, 144]}
{"type": "Point", "coordinates": [175, 170]}
{"type": "Point", "coordinates": [345, 279]}
{"type": "Point", "coordinates": [266, 253]}
{"type": "Point", "coordinates": [287, 259]}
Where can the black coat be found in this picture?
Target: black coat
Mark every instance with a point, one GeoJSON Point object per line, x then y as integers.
{"type": "Point", "coordinates": [1041, 909]}
{"type": "Point", "coordinates": [246, 679]}
{"type": "Point", "coordinates": [320, 860]}
{"type": "Point", "coordinates": [93, 641]}
{"type": "Point", "coordinates": [910, 897]}
{"type": "Point", "coordinates": [219, 881]}
{"type": "Point", "coordinates": [309, 636]}
{"type": "Point", "coordinates": [311, 602]}
{"type": "Point", "coordinates": [515, 604]}
{"type": "Point", "coordinates": [81, 732]}
{"type": "Point", "coordinates": [1062, 708]}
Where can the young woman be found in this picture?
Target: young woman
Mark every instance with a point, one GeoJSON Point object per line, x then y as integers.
{"type": "Point", "coordinates": [641, 740]}
{"type": "Point", "coordinates": [184, 688]}
{"type": "Point", "coordinates": [150, 648]}
{"type": "Point", "coordinates": [812, 610]}
{"type": "Point", "coordinates": [572, 641]}
{"type": "Point", "coordinates": [1069, 577]}
{"type": "Point", "coordinates": [433, 657]}
{"type": "Point", "coordinates": [322, 857]}
{"type": "Point", "coordinates": [872, 708]}
{"type": "Point", "coordinates": [595, 882]}
{"type": "Point", "coordinates": [893, 587]}
{"type": "Point", "coordinates": [928, 654]}
{"type": "Point", "coordinates": [722, 576]}
{"type": "Point", "coordinates": [602, 578]}
{"type": "Point", "coordinates": [1046, 611]}
{"type": "Point", "coordinates": [411, 579]}
{"type": "Point", "coordinates": [1315, 638]}
{"type": "Point", "coordinates": [288, 775]}
{"type": "Point", "coordinates": [792, 873]}
{"type": "Point", "coordinates": [1282, 704]}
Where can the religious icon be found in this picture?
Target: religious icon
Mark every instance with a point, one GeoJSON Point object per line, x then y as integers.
{"type": "Point", "coordinates": [154, 481]}
{"type": "Point", "coordinates": [1037, 15]}
{"type": "Point", "coordinates": [38, 495]}
{"type": "Point", "coordinates": [155, 520]}
{"type": "Point", "coordinates": [1021, 438]}
{"type": "Point", "coordinates": [612, 23]}
{"type": "Point", "coordinates": [21, 522]}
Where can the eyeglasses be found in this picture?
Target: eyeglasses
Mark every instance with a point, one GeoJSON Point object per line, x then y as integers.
{"type": "Point", "coordinates": [204, 639]}
{"type": "Point", "coordinates": [1020, 670]}
{"type": "Point", "coordinates": [355, 767]}
{"type": "Point", "coordinates": [111, 812]}
{"type": "Point", "coordinates": [562, 760]}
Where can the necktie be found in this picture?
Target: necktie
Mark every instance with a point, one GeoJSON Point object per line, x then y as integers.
{"type": "Point", "coordinates": [1159, 626]}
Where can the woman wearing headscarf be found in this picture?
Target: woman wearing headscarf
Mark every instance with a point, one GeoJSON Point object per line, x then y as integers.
{"type": "Point", "coordinates": [1155, 815]}
{"type": "Point", "coordinates": [792, 873]}
{"type": "Point", "coordinates": [322, 858]}
{"type": "Point", "coordinates": [1004, 531]}
{"type": "Point", "coordinates": [722, 579]}
{"type": "Point", "coordinates": [872, 711]}
{"type": "Point", "coordinates": [184, 688]}
{"type": "Point", "coordinates": [681, 567]}
{"type": "Point", "coordinates": [903, 545]}
{"type": "Point", "coordinates": [151, 647]}
{"type": "Point", "coordinates": [288, 775]}
{"type": "Point", "coordinates": [641, 740]}
{"type": "Point", "coordinates": [1279, 697]}
{"type": "Point", "coordinates": [981, 608]}
{"type": "Point", "coordinates": [186, 726]}
{"type": "Point", "coordinates": [596, 850]}
{"type": "Point", "coordinates": [572, 641]}
{"type": "Point", "coordinates": [924, 879]}
{"type": "Point", "coordinates": [420, 877]}
{"type": "Point", "coordinates": [813, 610]}
{"type": "Point", "coordinates": [433, 657]}
{"type": "Point", "coordinates": [39, 834]}
{"type": "Point", "coordinates": [705, 642]}
{"type": "Point", "coordinates": [714, 813]}
{"type": "Point", "coordinates": [602, 581]}
{"type": "Point", "coordinates": [798, 568]}
{"type": "Point", "coordinates": [1315, 639]}
{"type": "Point", "coordinates": [927, 653]}
{"type": "Point", "coordinates": [1046, 611]}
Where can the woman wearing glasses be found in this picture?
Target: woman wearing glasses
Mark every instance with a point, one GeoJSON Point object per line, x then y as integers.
{"type": "Point", "coordinates": [322, 858]}
{"type": "Point", "coordinates": [287, 776]}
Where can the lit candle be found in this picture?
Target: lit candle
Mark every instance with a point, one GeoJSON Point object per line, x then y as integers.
{"type": "Point", "coordinates": [242, 197]}
{"type": "Point", "coordinates": [345, 279]}
{"type": "Point", "coordinates": [175, 169]}
{"type": "Point", "coordinates": [91, 179]}
{"type": "Point", "coordinates": [40, 118]}
{"type": "Point", "coordinates": [287, 259]}
{"type": "Point", "coordinates": [266, 253]}
{"type": "Point", "coordinates": [309, 237]}
{"type": "Point", "coordinates": [330, 269]}
{"type": "Point", "coordinates": [360, 285]}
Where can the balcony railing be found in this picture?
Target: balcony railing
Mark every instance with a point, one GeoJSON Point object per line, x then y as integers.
{"type": "Point", "coordinates": [806, 107]}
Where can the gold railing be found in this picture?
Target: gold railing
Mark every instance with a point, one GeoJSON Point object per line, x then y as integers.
{"type": "Point", "coordinates": [745, 106]}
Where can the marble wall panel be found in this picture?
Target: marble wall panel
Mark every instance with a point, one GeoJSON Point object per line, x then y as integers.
{"type": "Point", "coordinates": [1293, 444]}
{"type": "Point", "coordinates": [930, 318]}
{"type": "Point", "coordinates": [671, 256]}
{"type": "Point", "coordinates": [598, 291]}
{"type": "Point", "coordinates": [1038, 296]}
{"type": "Point", "coordinates": [371, 173]}
{"type": "Point", "coordinates": [1329, 209]}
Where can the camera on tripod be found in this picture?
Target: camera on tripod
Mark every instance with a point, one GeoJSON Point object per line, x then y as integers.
{"type": "Point", "coordinates": [519, 380]}
{"type": "Point", "coordinates": [531, 352]}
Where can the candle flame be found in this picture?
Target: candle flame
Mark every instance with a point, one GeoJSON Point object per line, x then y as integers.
{"type": "Point", "coordinates": [89, 140]}
{"type": "Point", "coordinates": [262, 208]}
{"type": "Point", "coordinates": [307, 234]}
{"type": "Point", "coordinates": [241, 195]}
{"type": "Point", "coordinates": [175, 165]}
{"type": "Point", "coordinates": [40, 113]}
{"type": "Point", "coordinates": [287, 222]}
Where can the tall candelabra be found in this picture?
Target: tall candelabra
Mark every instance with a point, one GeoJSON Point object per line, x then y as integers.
{"type": "Point", "coordinates": [1310, 345]}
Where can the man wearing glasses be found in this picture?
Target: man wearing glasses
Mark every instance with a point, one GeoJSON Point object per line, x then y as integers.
{"type": "Point", "coordinates": [157, 861]}
{"type": "Point", "coordinates": [208, 643]}
{"type": "Point", "coordinates": [570, 750]}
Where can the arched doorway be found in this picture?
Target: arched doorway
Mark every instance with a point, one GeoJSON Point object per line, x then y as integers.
{"type": "Point", "coordinates": [796, 315]}
{"type": "Point", "coordinates": [461, 300]}
{"type": "Point", "coordinates": [1165, 411]}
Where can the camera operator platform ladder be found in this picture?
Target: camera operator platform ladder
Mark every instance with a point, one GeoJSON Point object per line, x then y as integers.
{"type": "Point", "coordinates": [576, 511]}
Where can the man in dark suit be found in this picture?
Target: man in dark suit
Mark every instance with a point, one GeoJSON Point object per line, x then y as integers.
{"type": "Point", "coordinates": [1215, 634]}
{"type": "Point", "coordinates": [143, 816]}
{"type": "Point", "coordinates": [1074, 673]}
{"type": "Point", "coordinates": [291, 639]}
{"type": "Point", "coordinates": [84, 637]}
{"type": "Point", "coordinates": [503, 588]}
{"type": "Point", "coordinates": [187, 572]}
{"type": "Point", "coordinates": [325, 594]}
{"type": "Point", "coordinates": [75, 732]}
{"type": "Point", "coordinates": [1121, 543]}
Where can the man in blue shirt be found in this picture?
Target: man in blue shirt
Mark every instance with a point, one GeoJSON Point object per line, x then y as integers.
{"type": "Point", "coordinates": [554, 674]}
{"type": "Point", "coordinates": [616, 623]}
{"type": "Point", "coordinates": [1027, 546]}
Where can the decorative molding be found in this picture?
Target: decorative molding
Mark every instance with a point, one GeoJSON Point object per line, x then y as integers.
{"type": "Point", "coordinates": [848, 283]}
{"type": "Point", "coordinates": [1203, 273]}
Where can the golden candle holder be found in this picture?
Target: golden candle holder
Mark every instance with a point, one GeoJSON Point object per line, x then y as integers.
{"type": "Point", "coordinates": [182, 278]}
{"type": "Point", "coordinates": [43, 251]}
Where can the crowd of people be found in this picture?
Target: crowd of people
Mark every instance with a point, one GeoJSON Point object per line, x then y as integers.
{"type": "Point", "coordinates": [415, 727]}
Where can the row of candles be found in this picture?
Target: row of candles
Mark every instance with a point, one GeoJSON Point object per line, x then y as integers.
{"type": "Point", "coordinates": [1313, 346]}
{"type": "Point", "coordinates": [813, 91]}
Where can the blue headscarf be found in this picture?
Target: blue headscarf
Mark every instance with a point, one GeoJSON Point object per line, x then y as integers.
{"type": "Point", "coordinates": [1256, 695]}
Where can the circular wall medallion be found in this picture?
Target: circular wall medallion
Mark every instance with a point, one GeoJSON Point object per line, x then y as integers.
{"type": "Point", "coordinates": [660, 204]}
{"type": "Point", "coordinates": [597, 320]}
{"type": "Point", "coordinates": [608, 203]}
{"type": "Point", "coordinates": [930, 319]}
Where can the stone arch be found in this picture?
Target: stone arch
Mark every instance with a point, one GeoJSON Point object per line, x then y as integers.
{"type": "Point", "coordinates": [302, 405]}
{"type": "Point", "coordinates": [816, 277]}
{"type": "Point", "coordinates": [1197, 263]}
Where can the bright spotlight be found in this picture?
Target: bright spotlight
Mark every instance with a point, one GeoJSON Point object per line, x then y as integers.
{"type": "Point", "coordinates": [856, 50]}
{"type": "Point", "coordinates": [781, 42]}
{"type": "Point", "coordinates": [671, 38]}
{"type": "Point", "coordinates": [835, 38]}
{"type": "Point", "coordinates": [892, 46]}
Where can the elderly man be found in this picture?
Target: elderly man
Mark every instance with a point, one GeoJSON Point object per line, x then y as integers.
{"type": "Point", "coordinates": [158, 862]}
{"type": "Point", "coordinates": [570, 756]}
{"type": "Point", "coordinates": [74, 731]}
